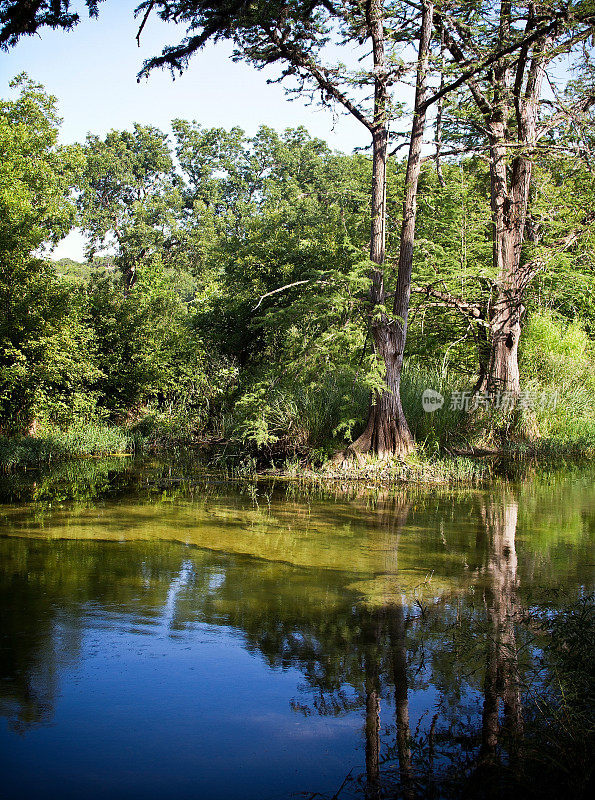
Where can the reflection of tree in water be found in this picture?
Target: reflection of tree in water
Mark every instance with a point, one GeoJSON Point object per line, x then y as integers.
{"type": "Point", "coordinates": [480, 747]}
{"type": "Point", "coordinates": [501, 683]}
{"type": "Point", "coordinates": [471, 742]}
{"type": "Point", "coordinates": [353, 655]}
{"type": "Point", "coordinates": [471, 749]}
{"type": "Point", "coordinates": [81, 480]}
{"type": "Point", "coordinates": [31, 641]}
{"type": "Point", "coordinates": [464, 647]}
{"type": "Point", "coordinates": [46, 591]}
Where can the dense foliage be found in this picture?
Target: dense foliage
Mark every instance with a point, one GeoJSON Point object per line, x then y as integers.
{"type": "Point", "coordinates": [225, 292]}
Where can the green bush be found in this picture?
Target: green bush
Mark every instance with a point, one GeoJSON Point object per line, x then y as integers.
{"type": "Point", "coordinates": [553, 350]}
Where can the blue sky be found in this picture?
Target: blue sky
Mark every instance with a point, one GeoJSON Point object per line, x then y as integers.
{"type": "Point", "coordinates": [92, 71]}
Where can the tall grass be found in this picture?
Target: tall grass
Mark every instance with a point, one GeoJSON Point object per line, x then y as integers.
{"type": "Point", "coordinates": [54, 444]}
{"type": "Point", "coordinates": [432, 430]}
{"type": "Point", "coordinates": [312, 419]}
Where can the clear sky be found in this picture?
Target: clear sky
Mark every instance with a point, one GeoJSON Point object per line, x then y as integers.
{"type": "Point", "coordinates": [92, 71]}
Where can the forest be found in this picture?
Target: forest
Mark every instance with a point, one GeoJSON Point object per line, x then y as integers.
{"type": "Point", "coordinates": [271, 301]}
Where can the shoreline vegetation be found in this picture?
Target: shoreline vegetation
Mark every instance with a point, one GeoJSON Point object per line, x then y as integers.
{"type": "Point", "coordinates": [467, 464]}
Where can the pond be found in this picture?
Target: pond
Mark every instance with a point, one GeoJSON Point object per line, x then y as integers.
{"type": "Point", "coordinates": [165, 635]}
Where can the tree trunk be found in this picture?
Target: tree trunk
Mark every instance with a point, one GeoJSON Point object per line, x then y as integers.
{"type": "Point", "coordinates": [387, 433]}
{"type": "Point", "coordinates": [503, 371]}
{"type": "Point", "coordinates": [439, 107]}
{"type": "Point", "coordinates": [510, 201]}
{"type": "Point", "coordinates": [508, 227]}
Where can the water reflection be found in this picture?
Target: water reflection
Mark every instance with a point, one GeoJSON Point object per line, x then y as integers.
{"type": "Point", "coordinates": [390, 646]}
{"type": "Point", "coordinates": [501, 674]}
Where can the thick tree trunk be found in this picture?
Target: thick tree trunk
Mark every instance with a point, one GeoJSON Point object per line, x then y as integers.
{"type": "Point", "coordinates": [403, 285]}
{"type": "Point", "coordinates": [508, 226]}
{"type": "Point", "coordinates": [510, 188]}
{"type": "Point", "coordinates": [387, 432]}
{"type": "Point", "coordinates": [503, 371]}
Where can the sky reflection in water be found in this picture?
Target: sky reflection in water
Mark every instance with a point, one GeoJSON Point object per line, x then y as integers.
{"type": "Point", "coordinates": [163, 639]}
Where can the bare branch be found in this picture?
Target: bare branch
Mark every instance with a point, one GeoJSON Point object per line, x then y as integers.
{"type": "Point", "coordinates": [459, 57]}
{"type": "Point", "coordinates": [566, 112]}
{"type": "Point", "coordinates": [456, 152]}
{"type": "Point", "coordinates": [144, 22]}
{"type": "Point", "coordinates": [465, 77]}
{"type": "Point", "coordinates": [297, 57]}
{"type": "Point", "coordinates": [280, 289]}
{"type": "Point", "coordinates": [470, 310]}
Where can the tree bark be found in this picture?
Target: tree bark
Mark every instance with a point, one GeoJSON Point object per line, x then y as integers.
{"type": "Point", "coordinates": [505, 316]}
{"type": "Point", "coordinates": [438, 131]}
{"type": "Point", "coordinates": [510, 185]}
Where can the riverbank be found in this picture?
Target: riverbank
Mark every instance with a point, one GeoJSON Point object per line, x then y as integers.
{"type": "Point", "coordinates": [469, 465]}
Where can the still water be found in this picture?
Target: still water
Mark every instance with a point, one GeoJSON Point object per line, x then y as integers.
{"type": "Point", "coordinates": [171, 638]}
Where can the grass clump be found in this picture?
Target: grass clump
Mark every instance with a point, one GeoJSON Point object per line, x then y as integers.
{"type": "Point", "coordinates": [277, 421]}
{"type": "Point", "coordinates": [432, 430]}
{"type": "Point", "coordinates": [54, 444]}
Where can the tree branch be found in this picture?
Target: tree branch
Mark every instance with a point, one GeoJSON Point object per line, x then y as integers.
{"type": "Point", "coordinates": [280, 289]}
{"type": "Point", "coordinates": [144, 22]}
{"type": "Point", "coordinates": [466, 77]}
{"type": "Point", "coordinates": [472, 310]}
{"type": "Point", "coordinates": [298, 58]}
{"type": "Point", "coordinates": [529, 270]}
{"type": "Point", "coordinates": [524, 42]}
